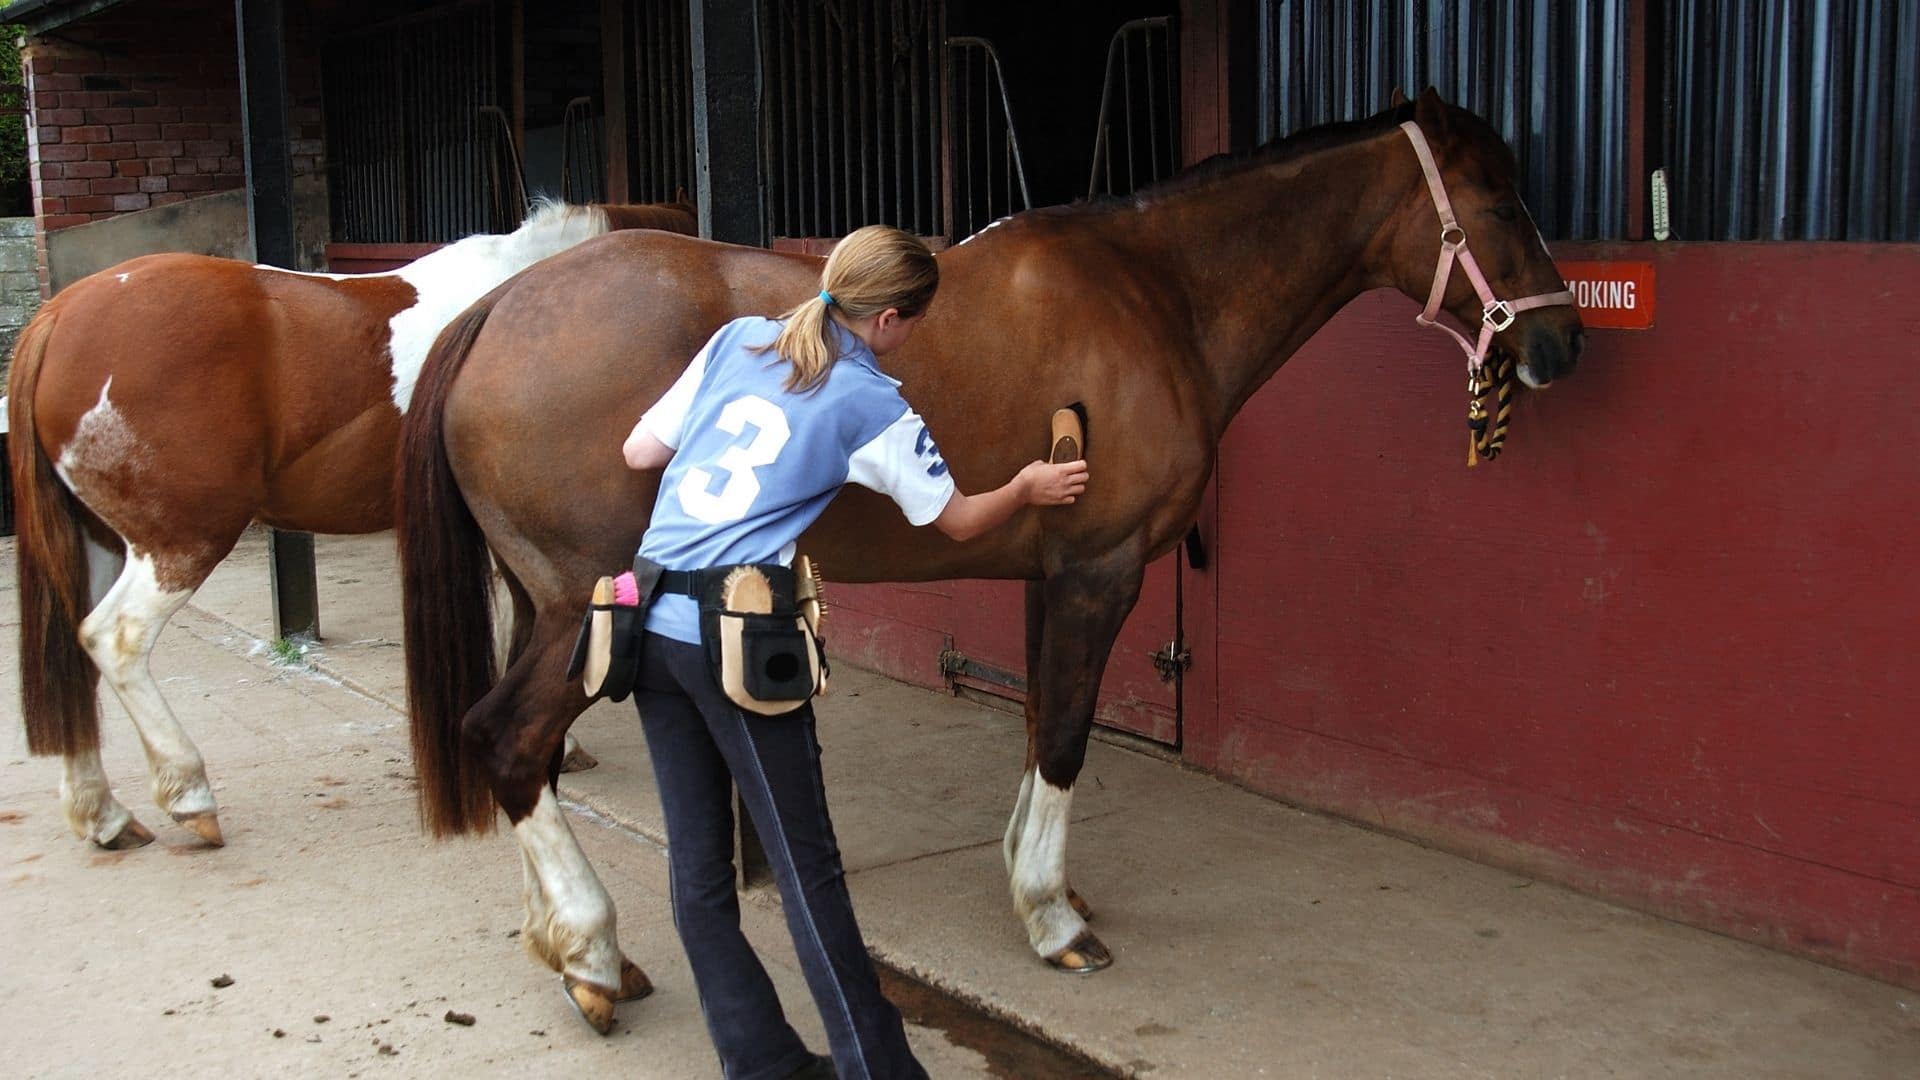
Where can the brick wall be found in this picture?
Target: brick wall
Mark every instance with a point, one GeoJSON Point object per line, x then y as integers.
{"type": "Point", "coordinates": [139, 106]}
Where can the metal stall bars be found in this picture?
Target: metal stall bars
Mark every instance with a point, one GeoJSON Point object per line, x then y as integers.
{"type": "Point", "coordinates": [582, 179]}
{"type": "Point", "coordinates": [986, 179]}
{"type": "Point", "coordinates": [852, 116]}
{"type": "Point", "coordinates": [505, 176]}
{"type": "Point", "coordinates": [660, 151]}
{"type": "Point", "coordinates": [404, 105]}
{"type": "Point", "coordinates": [1136, 140]}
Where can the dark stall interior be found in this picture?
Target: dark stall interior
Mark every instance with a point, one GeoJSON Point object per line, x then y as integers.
{"type": "Point", "coordinates": [1054, 57]}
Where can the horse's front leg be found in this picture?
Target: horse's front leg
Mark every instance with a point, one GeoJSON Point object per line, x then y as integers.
{"type": "Point", "coordinates": [1080, 610]}
{"type": "Point", "coordinates": [518, 730]}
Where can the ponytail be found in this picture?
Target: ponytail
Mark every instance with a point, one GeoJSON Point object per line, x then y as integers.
{"type": "Point", "coordinates": [871, 270]}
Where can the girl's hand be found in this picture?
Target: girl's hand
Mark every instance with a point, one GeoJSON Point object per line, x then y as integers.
{"type": "Point", "coordinates": [1053, 485]}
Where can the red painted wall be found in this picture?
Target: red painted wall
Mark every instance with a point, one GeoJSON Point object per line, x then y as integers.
{"type": "Point", "coordinates": [1662, 650]}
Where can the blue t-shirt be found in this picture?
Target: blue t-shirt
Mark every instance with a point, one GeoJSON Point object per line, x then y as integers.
{"type": "Point", "coordinates": [755, 464]}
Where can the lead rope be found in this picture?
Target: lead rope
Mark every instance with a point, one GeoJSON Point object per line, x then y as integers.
{"type": "Point", "coordinates": [1479, 443]}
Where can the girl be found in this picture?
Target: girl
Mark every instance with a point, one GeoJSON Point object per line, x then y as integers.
{"type": "Point", "coordinates": [821, 414]}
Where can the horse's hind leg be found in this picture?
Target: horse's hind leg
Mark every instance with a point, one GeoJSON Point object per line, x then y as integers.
{"type": "Point", "coordinates": [510, 621]}
{"type": "Point", "coordinates": [1082, 609]}
{"type": "Point", "coordinates": [119, 634]}
{"type": "Point", "coordinates": [518, 729]}
{"type": "Point", "coordinates": [86, 796]}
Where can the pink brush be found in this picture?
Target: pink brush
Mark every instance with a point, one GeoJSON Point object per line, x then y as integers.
{"type": "Point", "coordinates": [626, 591]}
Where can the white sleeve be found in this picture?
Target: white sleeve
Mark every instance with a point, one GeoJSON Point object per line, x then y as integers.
{"type": "Point", "coordinates": [903, 464]}
{"type": "Point", "coordinates": [668, 418]}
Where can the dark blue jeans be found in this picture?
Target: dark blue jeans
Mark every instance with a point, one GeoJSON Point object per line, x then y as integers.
{"type": "Point", "coordinates": [703, 747]}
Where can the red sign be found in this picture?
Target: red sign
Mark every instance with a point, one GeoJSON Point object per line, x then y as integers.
{"type": "Point", "coordinates": [1612, 295]}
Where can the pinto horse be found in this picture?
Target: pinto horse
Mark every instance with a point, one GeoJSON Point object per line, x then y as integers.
{"type": "Point", "coordinates": [159, 406]}
{"type": "Point", "coordinates": [1160, 313]}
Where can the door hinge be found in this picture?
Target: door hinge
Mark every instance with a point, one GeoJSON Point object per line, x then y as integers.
{"type": "Point", "coordinates": [1172, 660]}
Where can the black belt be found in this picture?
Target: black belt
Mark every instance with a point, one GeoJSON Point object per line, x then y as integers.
{"type": "Point", "coordinates": [681, 582]}
{"type": "Point", "coordinates": [698, 583]}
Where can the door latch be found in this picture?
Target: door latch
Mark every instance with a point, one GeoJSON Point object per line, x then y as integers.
{"type": "Point", "coordinates": [1171, 660]}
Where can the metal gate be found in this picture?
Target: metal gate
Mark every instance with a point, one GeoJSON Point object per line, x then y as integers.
{"type": "Point", "coordinates": [582, 168]}
{"type": "Point", "coordinates": [1136, 139]}
{"type": "Point", "coordinates": [660, 161]}
{"type": "Point", "coordinates": [851, 114]}
{"type": "Point", "coordinates": [407, 135]}
{"type": "Point", "coordinates": [986, 177]}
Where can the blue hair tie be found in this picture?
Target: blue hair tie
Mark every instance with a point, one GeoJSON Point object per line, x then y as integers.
{"type": "Point", "coordinates": [826, 297]}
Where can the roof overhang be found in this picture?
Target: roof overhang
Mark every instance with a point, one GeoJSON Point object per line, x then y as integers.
{"type": "Point", "coordinates": [40, 16]}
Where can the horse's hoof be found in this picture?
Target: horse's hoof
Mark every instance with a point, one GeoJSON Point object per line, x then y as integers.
{"type": "Point", "coordinates": [132, 835]}
{"type": "Point", "coordinates": [634, 983]}
{"type": "Point", "coordinates": [1080, 905]}
{"type": "Point", "coordinates": [593, 1003]}
{"type": "Point", "coordinates": [205, 825]}
{"type": "Point", "coordinates": [1084, 957]}
{"type": "Point", "coordinates": [578, 760]}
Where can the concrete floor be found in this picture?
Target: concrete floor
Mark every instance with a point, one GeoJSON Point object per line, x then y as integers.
{"type": "Point", "coordinates": [1251, 939]}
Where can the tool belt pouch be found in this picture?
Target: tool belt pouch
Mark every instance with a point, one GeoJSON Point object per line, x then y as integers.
{"type": "Point", "coordinates": [763, 653]}
{"type": "Point", "coordinates": [606, 655]}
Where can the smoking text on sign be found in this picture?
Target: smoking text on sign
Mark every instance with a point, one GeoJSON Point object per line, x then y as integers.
{"type": "Point", "coordinates": [1612, 295]}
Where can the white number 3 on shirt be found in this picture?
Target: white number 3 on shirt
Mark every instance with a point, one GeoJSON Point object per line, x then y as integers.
{"type": "Point", "coordinates": [736, 497]}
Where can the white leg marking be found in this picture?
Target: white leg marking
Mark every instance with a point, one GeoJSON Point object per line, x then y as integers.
{"type": "Point", "coordinates": [534, 900]}
{"type": "Point", "coordinates": [1039, 878]}
{"type": "Point", "coordinates": [570, 917]}
{"type": "Point", "coordinates": [1010, 846]}
{"type": "Point", "coordinates": [85, 794]}
{"type": "Point", "coordinates": [119, 635]}
{"type": "Point", "coordinates": [92, 811]}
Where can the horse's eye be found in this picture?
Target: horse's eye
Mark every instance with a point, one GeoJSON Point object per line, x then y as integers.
{"type": "Point", "coordinates": [1504, 211]}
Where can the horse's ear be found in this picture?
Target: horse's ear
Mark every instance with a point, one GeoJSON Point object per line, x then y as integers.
{"type": "Point", "coordinates": [1431, 112]}
{"type": "Point", "coordinates": [1397, 98]}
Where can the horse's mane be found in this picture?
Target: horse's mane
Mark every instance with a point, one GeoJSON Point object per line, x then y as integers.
{"type": "Point", "coordinates": [550, 226]}
{"type": "Point", "coordinates": [1220, 166]}
{"type": "Point", "coordinates": [546, 213]}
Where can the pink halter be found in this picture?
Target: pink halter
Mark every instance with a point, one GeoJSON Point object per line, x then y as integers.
{"type": "Point", "coordinates": [1495, 314]}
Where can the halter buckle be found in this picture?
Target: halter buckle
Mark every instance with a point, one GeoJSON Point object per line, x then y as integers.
{"type": "Point", "coordinates": [1497, 314]}
{"type": "Point", "coordinates": [1448, 234]}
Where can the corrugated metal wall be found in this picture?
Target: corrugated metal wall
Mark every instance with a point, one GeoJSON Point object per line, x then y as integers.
{"type": "Point", "coordinates": [1549, 75]}
{"type": "Point", "coordinates": [1793, 119]}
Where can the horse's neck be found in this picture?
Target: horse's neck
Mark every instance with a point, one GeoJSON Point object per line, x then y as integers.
{"type": "Point", "coordinates": [1265, 257]}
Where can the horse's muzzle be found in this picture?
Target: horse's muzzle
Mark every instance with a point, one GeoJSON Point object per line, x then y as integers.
{"type": "Point", "coordinates": [1551, 353]}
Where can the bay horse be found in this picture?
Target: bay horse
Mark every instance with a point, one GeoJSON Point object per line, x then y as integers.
{"type": "Point", "coordinates": [158, 407]}
{"type": "Point", "coordinates": [1160, 313]}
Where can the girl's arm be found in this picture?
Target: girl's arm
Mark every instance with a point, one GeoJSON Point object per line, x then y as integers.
{"type": "Point", "coordinates": [643, 451]}
{"type": "Point", "coordinates": [1039, 484]}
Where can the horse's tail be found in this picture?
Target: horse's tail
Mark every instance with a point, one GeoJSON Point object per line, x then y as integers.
{"type": "Point", "coordinates": [448, 598]}
{"type": "Point", "coordinates": [58, 681]}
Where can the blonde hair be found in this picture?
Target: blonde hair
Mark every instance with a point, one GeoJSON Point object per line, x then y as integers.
{"type": "Point", "coordinates": [871, 270]}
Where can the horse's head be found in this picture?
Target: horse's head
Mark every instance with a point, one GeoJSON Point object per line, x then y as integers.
{"type": "Point", "coordinates": [1492, 234]}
